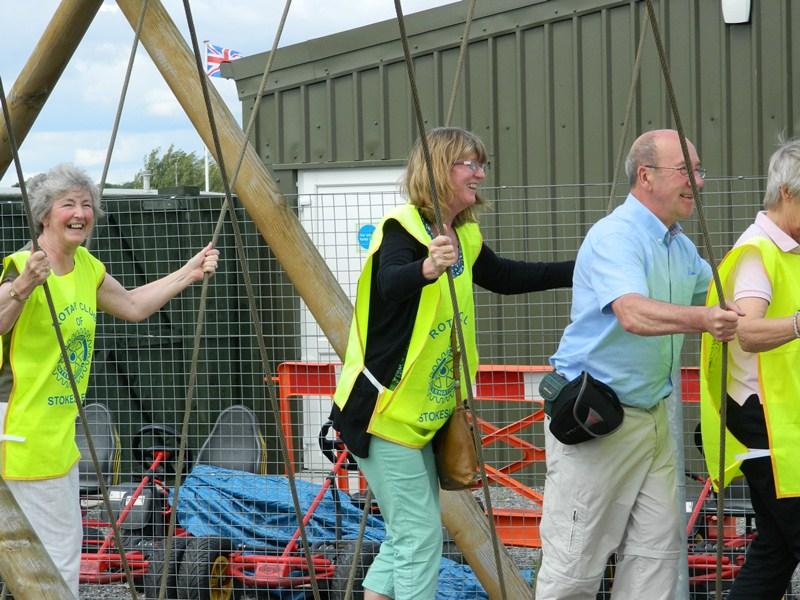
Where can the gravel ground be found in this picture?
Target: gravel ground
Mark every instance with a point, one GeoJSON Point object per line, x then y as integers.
{"type": "Point", "coordinates": [524, 558]}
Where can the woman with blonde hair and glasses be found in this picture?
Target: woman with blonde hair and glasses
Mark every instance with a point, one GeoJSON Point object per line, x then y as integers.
{"type": "Point", "coordinates": [396, 389]}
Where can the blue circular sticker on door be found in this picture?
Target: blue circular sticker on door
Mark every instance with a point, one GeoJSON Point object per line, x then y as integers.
{"type": "Point", "coordinates": [365, 235]}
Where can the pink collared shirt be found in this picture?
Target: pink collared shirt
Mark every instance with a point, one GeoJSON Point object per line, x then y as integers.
{"type": "Point", "coordinates": [751, 281]}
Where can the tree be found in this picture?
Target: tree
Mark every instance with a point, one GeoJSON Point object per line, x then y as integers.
{"type": "Point", "coordinates": [177, 168]}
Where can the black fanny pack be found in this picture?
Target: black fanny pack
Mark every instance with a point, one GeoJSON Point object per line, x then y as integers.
{"type": "Point", "coordinates": [581, 409]}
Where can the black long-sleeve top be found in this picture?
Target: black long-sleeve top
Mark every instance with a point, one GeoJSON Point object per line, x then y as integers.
{"type": "Point", "coordinates": [396, 287]}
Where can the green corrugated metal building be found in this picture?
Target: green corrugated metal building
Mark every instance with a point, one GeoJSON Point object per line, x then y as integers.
{"type": "Point", "coordinates": [545, 85]}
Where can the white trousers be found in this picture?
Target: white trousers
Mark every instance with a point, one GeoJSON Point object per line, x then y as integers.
{"type": "Point", "coordinates": [52, 506]}
{"type": "Point", "coordinates": [613, 494]}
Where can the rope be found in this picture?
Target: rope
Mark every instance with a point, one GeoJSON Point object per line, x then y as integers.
{"type": "Point", "coordinates": [362, 527]}
{"type": "Point", "coordinates": [610, 565]}
{"type": "Point", "coordinates": [120, 104]}
{"type": "Point", "coordinates": [451, 284]}
{"type": "Point", "coordinates": [257, 106]}
{"type": "Point", "coordinates": [12, 143]}
{"type": "Point", "coordinates": [101, 186]}
{"type": "Point", "coordinates": [717, 285]}
{"type": "Point", "coordinates": [628, 110]}
{"type": "Point", "coordinates": [123, 95]}
{"type": "Point", "coordinates": [462, 52]}
{"type": "Point", "coordinates": [251, 297]}
{"type": "Point", "coordinates": [87, 432]}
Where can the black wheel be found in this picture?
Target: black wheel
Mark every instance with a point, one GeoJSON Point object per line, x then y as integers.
{"type": "Point", "coordinates": [341, 554]}
{"type": "Point", "coordinates": [152, 579]}
{"type": "Point", "coordinates": [203, 573]}
{"type": "Point", "coordinates": [92, 539]}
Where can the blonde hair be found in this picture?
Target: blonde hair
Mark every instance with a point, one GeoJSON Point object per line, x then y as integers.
{"type": "Point", "coordinates": [446, 145]}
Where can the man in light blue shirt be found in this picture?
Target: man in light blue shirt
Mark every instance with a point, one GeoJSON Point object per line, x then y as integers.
{"type": "Point", "coordinates": [639, 285]}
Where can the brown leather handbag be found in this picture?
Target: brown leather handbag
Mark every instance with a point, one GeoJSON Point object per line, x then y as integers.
{"type": "Point", "coordinates": [454, 445]}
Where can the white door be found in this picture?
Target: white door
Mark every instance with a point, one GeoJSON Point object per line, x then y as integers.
{"type": "Point", "coordinates": [339, 208]}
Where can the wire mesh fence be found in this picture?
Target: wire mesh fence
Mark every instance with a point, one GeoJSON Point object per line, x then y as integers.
{"type": "Point", "coordinates": [236, 522]}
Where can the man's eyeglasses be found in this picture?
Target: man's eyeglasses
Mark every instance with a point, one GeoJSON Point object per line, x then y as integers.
{"type": "Point", "coordinates": [473, 165]}
{"type": "Point", "coordinates": [682, 170]}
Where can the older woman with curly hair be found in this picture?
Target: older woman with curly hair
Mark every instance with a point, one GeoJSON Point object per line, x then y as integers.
{"type": "Point", "coordinates": [38, 453]}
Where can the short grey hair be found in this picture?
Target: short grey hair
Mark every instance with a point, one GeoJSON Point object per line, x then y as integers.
{"type": "Point", "coordinates": [643, 152]}
{"type": "Point", "coordinates": [45, 188]}
{"type": "Point", "coordinates": [784, 170]}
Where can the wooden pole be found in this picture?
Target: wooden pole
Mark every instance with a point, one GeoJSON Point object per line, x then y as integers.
{"type": "Point", "coordinates": [468, 526]}
{"type": "Point", "coordinates": [25, 565]}
{"type": "Point", "coordinates": [45, 65]}
{"type": "Point", "coordinates": [297, 254]}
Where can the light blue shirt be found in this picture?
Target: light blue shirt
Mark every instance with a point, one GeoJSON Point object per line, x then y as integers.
{"type": "Point", "coordinates": [629, 251]}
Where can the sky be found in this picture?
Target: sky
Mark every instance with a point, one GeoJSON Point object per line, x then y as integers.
{"type": "Point", "coordinates": [76, 122]}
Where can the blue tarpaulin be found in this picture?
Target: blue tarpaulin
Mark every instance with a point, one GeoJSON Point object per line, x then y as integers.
{"type": "Point", "coordinates": [256, 512]}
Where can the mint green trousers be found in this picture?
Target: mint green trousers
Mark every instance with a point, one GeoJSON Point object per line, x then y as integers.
{"type": "Point", "coordinates": [404, 482]}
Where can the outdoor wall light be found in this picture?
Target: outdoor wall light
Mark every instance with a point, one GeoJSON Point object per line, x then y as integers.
{"type": "Point", "coordinates": [736, 11]}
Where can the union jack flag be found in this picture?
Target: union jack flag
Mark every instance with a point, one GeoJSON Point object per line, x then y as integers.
{"type": "Point", "coordinates": [215, 56]}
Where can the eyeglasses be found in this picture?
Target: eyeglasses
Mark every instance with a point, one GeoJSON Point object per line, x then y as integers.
{"type": "Point", "coordinates": [473, 165]}
{"type": "Point", "coordinates": [682, 170]}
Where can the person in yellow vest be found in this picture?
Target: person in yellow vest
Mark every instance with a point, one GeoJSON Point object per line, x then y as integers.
{"type": "Point", "coordinates": [762, 275]}
{"type": "Point", "coordinates": [396, 388]}
{"type": "Point", "coordinates": [38, 453]}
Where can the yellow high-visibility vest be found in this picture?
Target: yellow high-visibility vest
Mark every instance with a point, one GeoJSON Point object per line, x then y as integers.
{"type": "Point", "coordinates": [41, 407]}
{"type": "Point", "coordinates": [778, 375]}
{"type": "Point", "coordinates": [418, 406]}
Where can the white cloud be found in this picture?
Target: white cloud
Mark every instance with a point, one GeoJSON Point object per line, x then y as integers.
{"type": "Point", "coordinates": [88, 149]}
{"type": "Point", "coordinates": [89, 157]}
{"type": "Point", "coordinates": [75, 123]}
{"type": "Point", "coordinates": [160, 102]}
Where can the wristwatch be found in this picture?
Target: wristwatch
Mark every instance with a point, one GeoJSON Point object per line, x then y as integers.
{"type": "Point", "coordinates": [14, 294]}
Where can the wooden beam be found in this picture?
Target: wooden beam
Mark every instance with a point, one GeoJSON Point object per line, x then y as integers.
{"type": "Point", "coordinates": [297, 254]}
{"type": "Point", "coordinates": [45, 65]}
{"type": "Point", "coordinates": [25, 565]}
{"type": "Point", "coordinates": [468, 526]}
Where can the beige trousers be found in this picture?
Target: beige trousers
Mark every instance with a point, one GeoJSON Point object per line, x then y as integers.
{"type": "Point", "coordinates": [613, 494]}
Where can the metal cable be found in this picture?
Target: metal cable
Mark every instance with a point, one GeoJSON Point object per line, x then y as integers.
{"type": "Point", "coordinates": [717, 285]}
{"type": "Point", "coordinates": [451, 284]}
{"type": "Point", "coordinates": [12, 143]}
